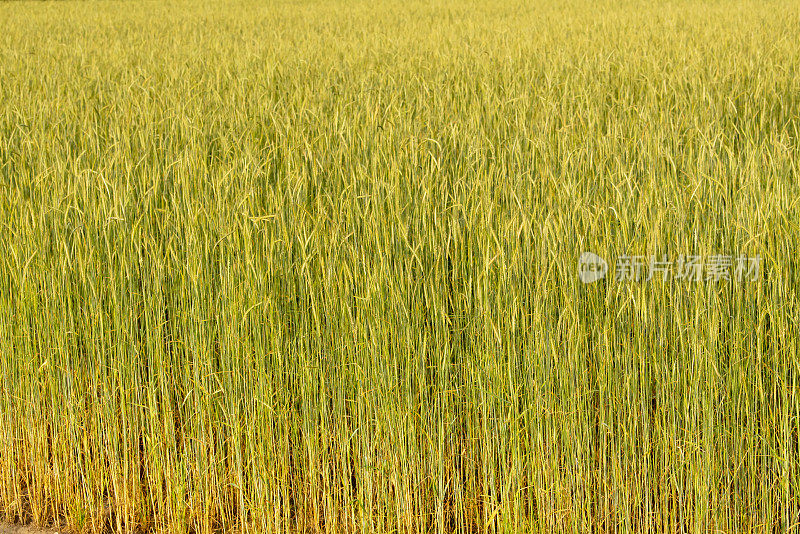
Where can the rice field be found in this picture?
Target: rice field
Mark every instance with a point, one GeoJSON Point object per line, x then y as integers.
{"type": "Point", "coordinates": [313, 266]}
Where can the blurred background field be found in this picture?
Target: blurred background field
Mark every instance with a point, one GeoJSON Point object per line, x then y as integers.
{"type": "Point", "coordinates": [312, 266]}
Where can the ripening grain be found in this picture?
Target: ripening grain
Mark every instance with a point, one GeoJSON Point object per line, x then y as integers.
{"type": "Point", "coordinates": [310, 266]}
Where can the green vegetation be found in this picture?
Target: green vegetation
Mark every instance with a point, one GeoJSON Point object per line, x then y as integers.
{"type": "Point", "coordinates": [312, 266]}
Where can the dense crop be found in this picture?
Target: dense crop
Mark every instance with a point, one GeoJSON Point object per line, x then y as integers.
{"type": "Point", "coordinates": [312, 266]}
